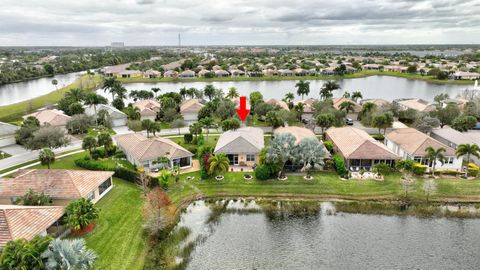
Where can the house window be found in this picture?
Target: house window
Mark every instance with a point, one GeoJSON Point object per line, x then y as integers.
{"type": "Point", "coordinates": [251, 158]}
{"type": "Point", "coordinates": [104, 186]}
{"type": "Point", "coordinates": [449, 160]}
{"type": "Point", "coordinates": [91, 195]}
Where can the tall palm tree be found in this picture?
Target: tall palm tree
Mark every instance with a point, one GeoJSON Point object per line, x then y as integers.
{"type": "Point", "coordinates": [347, 94]}
{"type": "Point", "coordinates": [75, 94]}
{"type": "Point", "coordinates": [133, 113]}
{"type": "Point", "coordinates": [155, 90]}
{"type": "Point", "coordinates": [207, 123]}
{"type": "Point", "coordinates": [218, 164]}
{"type": "Point", "coordinates": [183, 92]}
{"type": "Point", "coordinates": [347, 106]}
{"type": "Point", "coordinates": [289, 97]}
{"type": "Point", "coordinates": [328, 88]}
{"type": "Point", "coordinates": [109, 84]}
{"type": "Point", "coordinates": [357, 95]}
{"type": "Point", "coordinates": [303, 88]}
{"type": "Point", "coordinates": [68, 254]}
{"type": "Point", "coordinates": [435, 155]}
{"type": "Point", "coordinates": [55, 83]}
{"type": "Point", "coordinates": [92, 99]}
{"type": "Point", "coordinates": [468, 150]}
{"type": "Point", "coordinates": [232, 93]}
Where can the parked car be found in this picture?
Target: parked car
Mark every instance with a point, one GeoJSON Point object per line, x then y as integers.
{"type": "Point", "coordinates": [349, 121]}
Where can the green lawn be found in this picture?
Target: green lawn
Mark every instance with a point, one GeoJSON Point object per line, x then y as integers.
{"type": "Point", "coordinates": [118, 237]}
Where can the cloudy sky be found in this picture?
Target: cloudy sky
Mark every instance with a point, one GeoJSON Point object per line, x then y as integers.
{"type": "Point", "coordinates": [238, 22]}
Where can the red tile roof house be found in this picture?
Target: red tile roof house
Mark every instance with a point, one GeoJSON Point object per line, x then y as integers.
{"type": "Point", "coordinates": [359, 149]}
{"type": "Point", "coordinates": [26, 222]}
{"type": "Point", "coordinates": [149, 108]}
{"type": "Point", "coordinates": [62, 186]}
{"type": "Point", "coordinates": [143, 151]}
{"type": "Point", "coordinates": [190, 108]}
{"type": "Point", "coordinates": [53, 117]}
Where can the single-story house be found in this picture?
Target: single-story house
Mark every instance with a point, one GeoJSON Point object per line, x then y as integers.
{"type": "Point", "coordinates": [338, 101]}
{"type": "Point", "coordinates": [170, 74]}
{"type": "Point", "coordinates": [300, 72]}
{"type": "Point", "coordinates": [242, 146]}
{"type": "Point", "coordinates": [149, 108]}
{"type": "Point", "coordinates": [308, 109]}
{"type": "Point", "coordinates": [62, 186]}
{"type": "Point", "coordinates": [130, 74]}
{"type": "Point", "coordinates": [114, 71]}
{"type": "Point", "coordinates": [221, 73]}
{"type": "Point", "coordinates": [152, 74]}
{"type": "Point", "coordinates": [53, 117]}
{"type": "Point", "coordinates": [269, 72]}
{"type": "Point", "coordinates": [285, 72]}
{"type": "Point", "coordinates": [26, 222]}
{"type": "Point", "coordinates": [359, 149]}
{"type": "Point", "coordinates": [118, 117]}
{"type": "Point", "coordinates": [462, 75]}
{"type": "Point", "coordinates": [371, 66]}
{"type": "Point", "coordinates": [237, 73]}
{"type": "Point", "coordinates": [7, 134]}
{"type": "Point", "coordinates": [416, 104]}
{"type": "Point", "coordinates": [187, 74]}
{"type": "Point", "coordinates": [329, 71]}
{"type": "Point", "coordinates": [410, 143]}
{"type": "Point", "coordinates": [279, 103]}
{"type": "Point", "coordinates": [145, 152]}
{"type": "Point", "coordinates": [203, 72]}
{"type": "Point", "coordinates": [190, 108]}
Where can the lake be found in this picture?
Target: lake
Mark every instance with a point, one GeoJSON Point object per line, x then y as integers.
{"type": "Point", "coordinates": [16, 92]}
{"type": "Point", "coordinates": [385, 87]}
{"type": "Point", "coordinates": [262, 240]}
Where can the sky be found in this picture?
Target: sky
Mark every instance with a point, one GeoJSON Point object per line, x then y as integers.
{"type": "Point", "coordinates": [238, 22]}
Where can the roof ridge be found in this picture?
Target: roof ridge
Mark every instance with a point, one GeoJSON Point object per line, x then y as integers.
{"type": "Point", "coordinates": [70, 172]}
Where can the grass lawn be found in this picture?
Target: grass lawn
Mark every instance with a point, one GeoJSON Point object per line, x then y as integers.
{"type": "Point", "coordinates": [118, 237]}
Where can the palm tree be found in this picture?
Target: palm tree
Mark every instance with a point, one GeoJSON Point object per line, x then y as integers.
{"type": "Point", "coordinates": [133, 113]}
{"type": "Point", "coordinates": [183, 92]}
{"type": "Point", "coordinates": [346, 94]}
{"type": "Point", "coordinates": [433, 155]}
{"type": "Point", "coordinates": [55, 83]}
{"type": "Point", "coordinates": [80, 213]}
{"type": "Point", "coordinates": [289, 97]}
{"type": "Point", "coordinates": [68, 254]}
{"type": "Point", "coordinates": [328, 88]}
{"type": "Point", "coordinates": [93, 99]}
{"type": "Point", "coordinates": [89, 143]}
{"type": "Point", "coordinates": [75, 94]}
{"type": "Point", "coordinates": [303, 88]}
{"type": "Point", "coordinates": [468, 150]}
{"type": "Point", "coordinates": [155, 90]}
{"type": "Point", "coordinates": [207, 123]}
{"type": "Point", "coordinates": [347, 106]}
{"type": "Point", "coordinates": [232, 93]}
{"type": "Point", "coordinates": [218, 164]}
{"type": "Point", "coordinates": [109, 84]}
{"type": "Point", "coordinates": [357, 95]}
{"type": "Point", "coordinates": [46, 157]}
{"type": "Point", "coordinates": [299, 108]}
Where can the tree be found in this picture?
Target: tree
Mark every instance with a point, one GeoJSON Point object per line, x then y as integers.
{"type": "Point", "coordinates": [289, 97]}
{"type": "Point", "coordinates": [75, 94]}
{"type": "Point", "coordinates": [133, 113]}
{"type": "Point", "coordinates": [105, 139]}
{"type": "Point", "coordinates": [55, 83]}
{"type": "Point", "coordinates": [147, 125]}
{"type": "Point", "coordinates": [47, 136]}
{"type": "Point", "coordinates": [429, 187]}
{"type": "Point", "coordinates": [412, 69]}
{"type": "Point", "coordinates": [434, 155]}
{"type": "Point", "coordinates": [347, 94]}
{"type": "Point", "coordinates": [303, 88]}
{"type": "Point", "coordinates": [468, 150]}
{"type": "Point", "coordinates": [310, 152]}
{"type": "Point", "coordinates": [170, 114]}
{"type": "Point", "coordinates": [184, 92]}
{"type": "Point", "coordinates": [367, 109]}
{"type": "Point", "coordinates": [347, 106]}
{"type": "Point", "coordinates": [282, 149]}
{"type": "Point", "coordinates": [225, 109]}
{"type": "Point", "coordinates": [80, 213]}
{"type": "Point", "coordinates": [207, 123]}
{"type": "Point", "coordinates": [178, 123]}
{"type": "Point", "coordinates": [118, 104]}
{"type": "Point", "coordinates": [463, 123]}
{"type": "Point", "coordinates": [22, 254]}
{"type": "Point", "coordinates": [156, 127]}
{"type": "Point", "coordinates": [230, 124]}
{"type": "Point", "coordinates": [356, 95]}
{"type": "Point", "coordinates": [134, 125]}
{"type": "Point", "coordinates": [163, 178]}
{"type": "Point", "coordinates": [79, 124]}
{"type": "Point", "coordinates": [92, 99]}
{"type": "Point", "coordinates": [232, 93]}
{"type": "Point", "coordinates": [218, 163]}
{"type": "Point", "coordinates": [109, 84]}
{"type": "Point", "coordinates": [89, 143]}
{"type": "Point", "coordinates": [32, 198]}
{"type": "Point", "coordinates": [49, 69]}
{"type": "Point", "coordinates": [46, 157]}
{"type": "Point", "coordinates": [325, 121]}
{"type": "Point", "coordinates": [447, 114]}
{"type": "Point", "coordinates": [155, 90]}
{"type": "Point", "coordinates": [255, 98]}
{"type": "Point", "coordinates": [440, 98]}
{"type": "Point", "coordinates": [209, 91]}
{"type": "Point", "coordinates": [328, 88]}
{"type": "Point", "coordinates": [68, 254]}
{"type": "Point", "coordinates": [382, 121]}
{"type": "Point", "coordinates": [195, 129]}
{"type": "Point", "coordinates": [426, 123]}
{"type": "Point", "coordinates": [273, 119]}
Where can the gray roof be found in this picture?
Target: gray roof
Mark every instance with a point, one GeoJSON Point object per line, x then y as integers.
{"type": "Point", "coordinates": [243, 140]}
{"type": "Point", "coordinates": [112, 111]}
{"type": "Point", "coordinates": [454, 136]}
{"type": "Point", "coordinates": [7, 129]}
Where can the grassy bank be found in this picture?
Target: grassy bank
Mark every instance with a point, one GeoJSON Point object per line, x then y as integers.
{"type": "Point", "coordinates": [14, 112]}
{"type": "Point", "coordinates": [360, 74]}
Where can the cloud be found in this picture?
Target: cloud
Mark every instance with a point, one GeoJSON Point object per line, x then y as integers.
{"type": "Point", "coordinates": [145, 2]}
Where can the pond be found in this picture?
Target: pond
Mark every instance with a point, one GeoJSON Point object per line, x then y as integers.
{"type": "Point", "coordinates": [385, 87]}
{"type": "Point", "coordinates": [20, 91]}
{"type": "Point", "coordinates": [247, 236]}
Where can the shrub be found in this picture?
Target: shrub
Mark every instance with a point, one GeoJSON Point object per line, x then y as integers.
{"type": "Point", "coordinates": [339, 163]}
{"type": "Point", "coordinates": [419, 169]}
{"type": "Point", "coordinates": [98, 153]}
{"type": "Point", "coordinates": [120, 172]}
{"type": "Point", "coordinates": [112, 150]}
{"type": "Point", "coordinates": [192, 148]}
{"type": "Point", "coordinates": [328, 145]}
{"type": "Point", "coordinates": [378, 137]}
{"type": "Point", "coordinates": [382, 168]}
{"type": "Point", "coordinates": [448, 172]}
{"type": "Point", "coordinates": [125, 174]}
{"type": "Point", "coordinates": [34, 198]}
{"type": "Point", "coordinates": [473, 169]}
{"type": "Point", "coordinates": [188, 138]}
{"type": "Point", "coordinates": [120, 154]}
{"type": "Point", "coordinates": [80, 213]}
{"type": "Point", "coordinates": [262, 172]}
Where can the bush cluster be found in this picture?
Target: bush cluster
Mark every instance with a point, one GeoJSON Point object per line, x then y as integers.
{"type": "Point", "coordinates": [419, 169]}
{"type": "Point", "coordinates": [339, 163]}
{"type": "Point", "coordinates": [120, 172]}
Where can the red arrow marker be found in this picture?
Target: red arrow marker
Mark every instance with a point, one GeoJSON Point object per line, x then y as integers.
{"type": "Point", "coordinates": [242, 111]}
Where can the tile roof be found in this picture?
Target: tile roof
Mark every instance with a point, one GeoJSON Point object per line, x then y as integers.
{"type": "Point", "coordinates": [26, 222]}
{"type": "Point", "coordinates": [299, 132]}
{"type": "Point", "coordinates": [417, 104]}
{"type": "Point", "coordinates": [242, 140]}
{"type": "Point", "coordinates": [191, 105]}
{"type": "Point", "coordinates": [52, 117]}
{"type": "Point", "coordinates": [414, 142]}
{"type": "Point", "coordinates": [147, 107]}
{"type": "Point", "coordinates": [454, 135]}
{"type": "Point", "coordinates": [354, 143]}
{"type": "Point", "coordinates": [143, 148]}
{"type": "Point", "coordinates": [338, 101]}
{"type": "Point", "coordinates": [280, 103]}
{"type": "Point", "coordinates": [58, 184]}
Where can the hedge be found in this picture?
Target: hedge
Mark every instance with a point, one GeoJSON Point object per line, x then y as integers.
{"type": "Point", "coordinates": [120, 172]}
{"type": "Point", "coordinates": [339, 163]}
{"type": "Point", "coordinates": [473, 169]}
{"type": "Point", "coordinates": [419, 169]}
{"type": "Point", "coordinates": [262, 172]}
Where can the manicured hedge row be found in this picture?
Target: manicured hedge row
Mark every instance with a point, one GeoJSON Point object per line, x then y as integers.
{"type": "Point", "coordinates": [120, 172]}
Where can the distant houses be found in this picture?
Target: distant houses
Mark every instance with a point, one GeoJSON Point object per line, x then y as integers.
{"type": "Point", "coordinates": [417, 104]}
{"type": "Point", "coordinates": [146, 152]}
{"type": "Point", "coordinates": [52, 117]}
{"type": "Point", "coordinates": [242, 146]}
